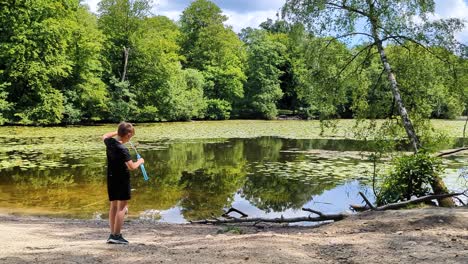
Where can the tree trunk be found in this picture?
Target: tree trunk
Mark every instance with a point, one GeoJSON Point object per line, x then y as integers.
{"type": "Point", "coordinates": [464, 128]}
{"type": "Point", "coordinates": [437, 184]}
{"type": "Point", "coordinates": [125, 62]}
{"type": "Point", "coordinates": [397, 96]}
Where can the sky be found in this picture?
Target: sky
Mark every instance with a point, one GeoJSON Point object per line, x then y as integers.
{"type": "Point", "coordinates": [250, 13]}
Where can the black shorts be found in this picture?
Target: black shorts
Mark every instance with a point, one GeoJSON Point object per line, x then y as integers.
{"type": "Point", "coordinates": [118, 188]}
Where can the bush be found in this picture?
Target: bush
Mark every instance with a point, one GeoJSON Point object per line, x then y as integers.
{"type": "Point", "coordinates": [217, 109]}
{"type": "Point", "coordinates": [411, 176]}
{"type": "Point", "coordinates": [149, 113]}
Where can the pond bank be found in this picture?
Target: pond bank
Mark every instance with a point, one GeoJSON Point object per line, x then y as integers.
{"type": "Point", "coordinates": [411, 236]}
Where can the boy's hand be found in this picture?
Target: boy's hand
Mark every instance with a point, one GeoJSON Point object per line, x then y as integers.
{"type": "Point", "coordinates": [141, 160]}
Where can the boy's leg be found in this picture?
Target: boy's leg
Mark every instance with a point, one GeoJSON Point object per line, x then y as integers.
{"type": "Point", "coordinates": [119, 217]}
{"type": "Point", "coordinates": [112, 215]}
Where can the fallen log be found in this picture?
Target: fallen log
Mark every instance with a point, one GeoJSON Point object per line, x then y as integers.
{"type": "Point", "coordinates": [417, 200]}
{"type": "Point", "coordinates": [367, 201]}
{"type": "Point", "coordinates": [405, 203]}
{"type": "Point", "coordinates": [232, 209]}
{"type": "Point", "coordinates": [442, 154]}
{"type": "Point", "coordinates": [359, 208]}
{"type": "Point", "coordinates": [322, 217]}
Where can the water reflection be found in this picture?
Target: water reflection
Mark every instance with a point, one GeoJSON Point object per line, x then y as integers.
{"type": "Point", "coordinates": [191, 179]}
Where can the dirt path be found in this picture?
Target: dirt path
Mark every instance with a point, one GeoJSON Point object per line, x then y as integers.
{"type": "Point", "coordinates": [412, 236]}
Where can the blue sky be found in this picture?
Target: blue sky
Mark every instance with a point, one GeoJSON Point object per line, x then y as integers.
{"type": "Point", "coordinates": [250, 13]}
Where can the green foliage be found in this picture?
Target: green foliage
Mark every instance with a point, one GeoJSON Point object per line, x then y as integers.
{"type": "Point", "coordinates": [217, 109]}
{"type": "Point", "coordinates": [428, 85]}
{"type": "Point", "coordinates": [119, 20]}
{"type": "Point", "coordinates": [61, 64]}
{"type": "Point", "coordinates": [219, 54]}
{"type": "Point", "coordinates": [182, 97]}
{"type": "Point", "coordinates": [4, 104]}
{"type": "Point", "coordinates": [85, 94]}
{"type": "Point", "coordinates": [411, 176]}
{"type": "Point", "coordinates": [381, 21]}
{"type": "Point", "coordinates": [329, 82]}
{"type": "Point", "coordinates": [155, 69]}
{"type": "Point", "coordinates": [213, 49]}
{"type": "Point", "coordinates": [197, 16]}
{"type": "Point", "coordinates": [34, 40]}
{"type": "Point", "coordinates": [122, 105]}
{"type": "Point", "coordinates": [263, 84]}
{"type": "Point", "coordinates": [395, 17]}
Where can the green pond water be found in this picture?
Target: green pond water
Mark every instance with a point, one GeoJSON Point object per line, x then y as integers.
{"type": "Point", "coordinates": [190, 179]}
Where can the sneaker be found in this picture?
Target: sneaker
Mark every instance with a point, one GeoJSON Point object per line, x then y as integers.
{"type": "Point", "coordinates": [110, 239]}
{"type": "Point", "coordinates": [118, 239]}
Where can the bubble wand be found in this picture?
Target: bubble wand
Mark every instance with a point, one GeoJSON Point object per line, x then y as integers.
{"type": "Point", "coordinates": [142, 167]}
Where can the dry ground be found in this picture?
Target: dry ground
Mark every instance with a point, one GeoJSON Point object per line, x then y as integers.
{"type": "Point", "coordinates": [411, 236]}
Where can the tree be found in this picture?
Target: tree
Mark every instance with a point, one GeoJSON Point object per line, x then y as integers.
{"type": "Point", "coordinates": [194, 19]}
{"type": "Point", "coordinates": [155, 62]}
{"type": "Point", "coordinates": [215, 50]}
{"type": "Point", "coordinates": [385, 21]}
{"type": "Point", "coordinates": [85, 94]}
{"type": "Point", "coordinates": [325, 83]}
{"type": "Point", "coordinates": [294, 38]}
{"type": "Point", "coordinates": [119, 19]}
{"type": "Point", "coordinates": [428, 85]}
{"type": "Point", "coordinates": [263, 74]}
{"type": "Point", "coordinates": [221, 57]}
{"type": "Point", "coordinates": [4, 104]}
{"type": "Point", "coordinates": [34, 43]}
{"type": "Point", "coordinates": [181, 97]}
{"type": "Point", "coordinates": [163, 89]}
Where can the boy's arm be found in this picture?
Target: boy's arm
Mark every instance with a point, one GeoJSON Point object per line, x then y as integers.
{"type": "Point", "coordinates": [109, 135]}
{"type": "Point", "coordinates": [134, 165]}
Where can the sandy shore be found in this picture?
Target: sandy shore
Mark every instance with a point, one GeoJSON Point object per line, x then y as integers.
{"type": "Point", "coordinates": [411, 236]}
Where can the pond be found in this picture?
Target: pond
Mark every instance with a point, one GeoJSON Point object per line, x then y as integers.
{"type": "Point", "coordinates": [192, 179]}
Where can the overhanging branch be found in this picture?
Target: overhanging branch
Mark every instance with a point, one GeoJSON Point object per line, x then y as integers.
{"type": "Point", "coordinates": [348, 8]}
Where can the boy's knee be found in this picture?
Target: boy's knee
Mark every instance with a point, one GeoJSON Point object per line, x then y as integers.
{"type": "Point", "coordinates": [114, 205]}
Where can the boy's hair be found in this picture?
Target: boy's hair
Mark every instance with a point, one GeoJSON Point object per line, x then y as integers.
{"type": "Point", "coordinates": [125, 128]}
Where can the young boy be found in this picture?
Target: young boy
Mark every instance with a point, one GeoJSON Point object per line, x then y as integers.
{"type": "Point", "coordinates": [118, 178]}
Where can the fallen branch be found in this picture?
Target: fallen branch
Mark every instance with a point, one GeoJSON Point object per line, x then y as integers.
{"type": "Point", "coordinates": [232, 209]}
{"type": "Point", "coordinates": [322, 217]}
{"type": "Point", "coordinates": [367, 201]}
{"type": "Point", "coordinates": [417, 200]}
{"type": "Point", "coordinates": [460, 201]}
{"type": "Point", "coordinates": [452, 152]}
{"type": "Point", "coordinates": [359, 208]}
{"type": "Point", "coordinates": [312, 211]}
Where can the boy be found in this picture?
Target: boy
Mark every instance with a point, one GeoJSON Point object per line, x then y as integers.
{"type": "Point", "coordinates": [118, 178]}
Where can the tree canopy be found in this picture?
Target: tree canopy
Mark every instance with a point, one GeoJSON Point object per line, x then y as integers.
{"type": "Point", "coordinates": [62, 64]}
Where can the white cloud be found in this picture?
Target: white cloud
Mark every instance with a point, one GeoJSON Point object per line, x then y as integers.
{"type": "Point", "coordinates": [454, 9]}
{"type": "Point", "coordinates": [240, 13]}
{"type": "Point", "coordinates": [250, 13]}
{"type": "Point", "coordinates": [239, 21]}
{"type": "Point", "coordinates": [174, 15]}
{"type": "Point", "coordinates": [92, 4]}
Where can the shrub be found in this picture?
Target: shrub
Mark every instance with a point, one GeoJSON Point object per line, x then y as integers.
{"type": "Point", "coordinates": [217, 109]}
{"type": "Point", "coordinates": [411, 176]}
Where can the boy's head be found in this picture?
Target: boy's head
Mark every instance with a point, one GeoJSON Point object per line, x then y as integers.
{"type": "Point", "coordinates": [125, 131]}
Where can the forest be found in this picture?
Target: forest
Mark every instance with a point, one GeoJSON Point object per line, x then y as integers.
{"type": "Point", "coordinates": [62, 64]}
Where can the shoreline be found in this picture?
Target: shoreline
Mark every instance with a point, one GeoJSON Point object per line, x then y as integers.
{"type": "Point", "coordinates": [430, 235]}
